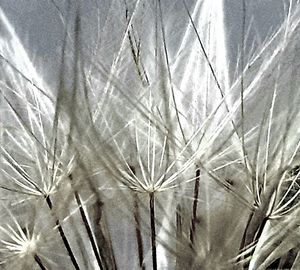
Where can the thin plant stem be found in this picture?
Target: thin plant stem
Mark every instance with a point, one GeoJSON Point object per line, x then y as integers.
{"type": "Point", "coordinates": [138, 234]}
{"type": "Point", "coordinates": [195, 206]}
{"type": "Point", "coordinates": [63, 237]}
{"type": "Point", "coordinates": [39, 262]}
{"type": "Point", "coordinates": [153, 233]}
{"type": "Point", "coordinates": [88, 230]}
{"type": "Point", "coordinates": [178, 234]}
{"type": "Point", "coordinates": [136, 54]}
{"type": "Point", "coordinates": [242, 83]}
{"type": "Point", "coordinates": [245, 231]}
{"type": "Point", "coordinates": [178, 223]}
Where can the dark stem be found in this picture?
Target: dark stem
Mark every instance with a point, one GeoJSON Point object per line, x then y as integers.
{"type": "Point", "coordinates": [178, 222]}
{"type": "Point", "coordinates": [178, 236]}
{"type": "Point", "coordinates": [253, 236]}
{"type": "Point", "coordinates": [153, 233]}
{"type": "Point", "coordinates": [195, 205]}
{"type": "Point", "coordinates": [261, 228]}
{"type": "Point", "coordinates": [243, 243]}
{"type": "Point", "coordinates": [63, 237]}
{"type": "Point", "coordinates": [284, 262]}
{"type": "Point", "coordinates": [138, 234]}
{"type": "Point", "coordinates": [39, 262]}
{"type": "Point", "coordinates": [88, 230]}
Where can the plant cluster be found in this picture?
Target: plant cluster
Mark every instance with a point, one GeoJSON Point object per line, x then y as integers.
{"type": "Point", "coordinates": [145, 154]}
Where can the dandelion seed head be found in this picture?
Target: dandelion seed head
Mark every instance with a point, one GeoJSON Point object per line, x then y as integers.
{"type": "Point", "coordinates": [29, 246]}
{"type": "Point", "coordinates": [161, 116]}
{"type": "Point", "coordinates": [19, 242]}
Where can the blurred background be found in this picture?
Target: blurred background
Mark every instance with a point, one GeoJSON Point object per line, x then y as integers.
{"type": "Point", "coordinates": [38, 23]}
